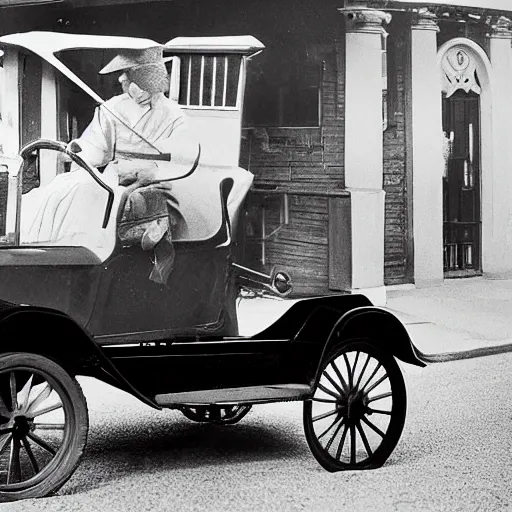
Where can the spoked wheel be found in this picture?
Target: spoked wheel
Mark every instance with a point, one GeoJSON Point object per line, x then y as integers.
{"type": "Point", "coordinates": [227, 415]}
{"type": "Point", "coordinates": [357, 413]}
{"type": "Point", "coordinates": [43, 426]}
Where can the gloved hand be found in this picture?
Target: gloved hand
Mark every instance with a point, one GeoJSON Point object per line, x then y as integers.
{"type": "Point", "coordinates": [141, 171]}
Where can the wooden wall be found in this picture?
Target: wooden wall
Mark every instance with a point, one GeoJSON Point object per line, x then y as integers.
{"type": "Point", "coordinates": [4, 185]}
{"type": "Point", "coordinates": [396, 263]}
{"type": "Point", "coordinates": [308, 160]}
{"type": "Point", "coordinates": [275, 156]}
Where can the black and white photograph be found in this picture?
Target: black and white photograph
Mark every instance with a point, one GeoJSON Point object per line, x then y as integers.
{"type": "Point", "coordinates": [255, 255]}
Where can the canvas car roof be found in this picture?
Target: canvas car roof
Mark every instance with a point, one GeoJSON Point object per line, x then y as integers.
{"type": "Point", "coordinates": [245, 45]}
{"type": "Point", "coordinates": [48, 44]}
{"type": "Point", "coordinates": [53, 42]}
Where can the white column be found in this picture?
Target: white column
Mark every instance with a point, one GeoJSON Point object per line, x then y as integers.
{"type": "Point", "coordinates": [427, 161]}
{"type": "Point", "coordinates": [363, 147]}
{"type": "Point", "coordinates": [10, 103]}
{"type": "Point", "coordinates": [363, 98]}
{"type": "Point", "coordinates": [497, 235]}
{"type": "Point", "coordinates": [11, 128]}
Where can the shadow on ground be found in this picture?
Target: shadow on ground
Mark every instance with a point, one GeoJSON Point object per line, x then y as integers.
{"type": "Point", "coordinates": [169, 443]}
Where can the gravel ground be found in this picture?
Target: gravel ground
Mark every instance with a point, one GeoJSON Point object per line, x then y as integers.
{"type": "Point", "coordinates": [454, 455]}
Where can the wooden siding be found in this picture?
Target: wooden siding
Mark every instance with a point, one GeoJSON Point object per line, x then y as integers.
{"type": "Point", "coordinates": [313, 156]}
{"type": "Point", "coordinates": [4, 185]}
{"type": "Point", "coordinates": [394, 169]}
{"type": "Point", "coordinates": [301, 246]}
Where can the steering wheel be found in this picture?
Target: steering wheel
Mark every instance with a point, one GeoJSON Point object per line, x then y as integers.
{"type": "Point", "coordinates": [71, 150]}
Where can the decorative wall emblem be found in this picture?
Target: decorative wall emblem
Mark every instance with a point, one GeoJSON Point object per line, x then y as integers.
{"type": "Point", "coordinates": [460, 71]}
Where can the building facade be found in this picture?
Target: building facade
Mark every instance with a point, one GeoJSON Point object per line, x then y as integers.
{"type": "Point", "coordinates": [378, 131]}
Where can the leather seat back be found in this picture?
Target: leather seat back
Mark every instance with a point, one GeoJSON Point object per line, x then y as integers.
{"type": "Point", "coordinates": [199, 200]}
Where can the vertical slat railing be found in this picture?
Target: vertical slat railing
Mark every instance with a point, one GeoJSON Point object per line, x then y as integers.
{"type": "Point", "coordinates": [214, 82]}
{"type": "Point", "coordinates": [189, 79]}
{"type": "Point", "coordinates": [212, 91]}
{"type": "Point", "coordinates": [225, 92]}
{"type": "Point", "coordinates": [201, 82]}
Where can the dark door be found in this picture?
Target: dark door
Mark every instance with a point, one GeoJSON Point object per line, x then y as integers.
{"type": "Point", "coordinates": [64, 279]}
{"type": "Point", "coordinates": [130, 303]}
{"type": "Point", "coordinates": [461, 186]}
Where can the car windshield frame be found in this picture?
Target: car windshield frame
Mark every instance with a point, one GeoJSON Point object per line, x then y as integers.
{"type": "Point", "coordinates": [15, 167]}
{"type": "Point", "coordinates": [48, 46]}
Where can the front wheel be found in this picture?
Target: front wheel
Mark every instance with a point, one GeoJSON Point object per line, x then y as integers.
{"type": "Point", "coordinates": [43, 426]}
{"type": "Point", "coordinates": [357, 412]}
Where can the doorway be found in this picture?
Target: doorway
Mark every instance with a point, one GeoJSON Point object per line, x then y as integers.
{"type": "Point", "coordinates": [461, 186]}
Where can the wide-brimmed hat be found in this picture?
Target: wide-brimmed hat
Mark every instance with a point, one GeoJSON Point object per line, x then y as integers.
{"type": "Point", "coordinates": [127, 59]}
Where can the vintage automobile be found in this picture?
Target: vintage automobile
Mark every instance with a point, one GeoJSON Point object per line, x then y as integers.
{"type": "Point", "coordinates": [84, 305]}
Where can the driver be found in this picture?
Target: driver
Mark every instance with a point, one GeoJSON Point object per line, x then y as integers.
{"type": "Point", "coordinates": [131, 134]}
{"type": "Point", "coordinates": [131, 129]}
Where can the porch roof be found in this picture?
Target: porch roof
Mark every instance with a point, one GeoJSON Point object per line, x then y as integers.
{"type": "Point", "coordinates": [486, 5]}
{"type": "Point", "coordinates": [16, 3]}
{"type": "Point", "coordinates": [72, 3]}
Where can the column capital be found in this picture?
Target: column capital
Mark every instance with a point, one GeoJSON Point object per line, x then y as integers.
{"type": "Point", "coordinates": [362, 19]}
{"type": "Point", "coordinates": [425, 20]}
{"type": "Point", "coordinates": [502, 29]}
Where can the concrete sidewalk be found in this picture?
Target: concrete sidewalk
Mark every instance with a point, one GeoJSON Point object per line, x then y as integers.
{"type": "Point", "coordinates": [461, 314]}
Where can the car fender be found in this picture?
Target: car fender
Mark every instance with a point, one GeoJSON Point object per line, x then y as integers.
{"type": "Point", "coordinates": [55, 335]}
{"type": "Point", "coordinates": [380, 327]}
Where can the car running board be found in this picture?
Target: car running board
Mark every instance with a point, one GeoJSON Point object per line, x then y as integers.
{"type": "Point", "coordinates": [233, 396]}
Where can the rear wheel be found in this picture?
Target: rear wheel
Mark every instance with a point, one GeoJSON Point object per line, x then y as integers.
{"type": "Point", "coordinates": [43, 426]}
{"type": "Point", "coordinates": [226, 415]}
{"type": "Point", "coordinates": [357, 413]}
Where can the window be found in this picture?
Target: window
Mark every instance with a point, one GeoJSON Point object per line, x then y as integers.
{"type": "Point", "coordinates": [209, 80]}
{"type": "Point", "coordinates": [283, 89]}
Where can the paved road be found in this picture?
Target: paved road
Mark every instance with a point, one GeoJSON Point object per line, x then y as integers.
{"type": "Point", "coordinates": [455, 455]}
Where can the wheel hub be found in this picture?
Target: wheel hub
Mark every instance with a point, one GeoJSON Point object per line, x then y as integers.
{"type": "Point", "coordinates": [21, 426]}
{"type": "Point", "coordinates": [353, 406]}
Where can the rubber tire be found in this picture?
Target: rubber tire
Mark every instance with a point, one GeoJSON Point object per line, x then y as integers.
{"type": "Point", "coordinates": [68, 456]}
{"type": "Point", "coordinates": [397, 421]}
